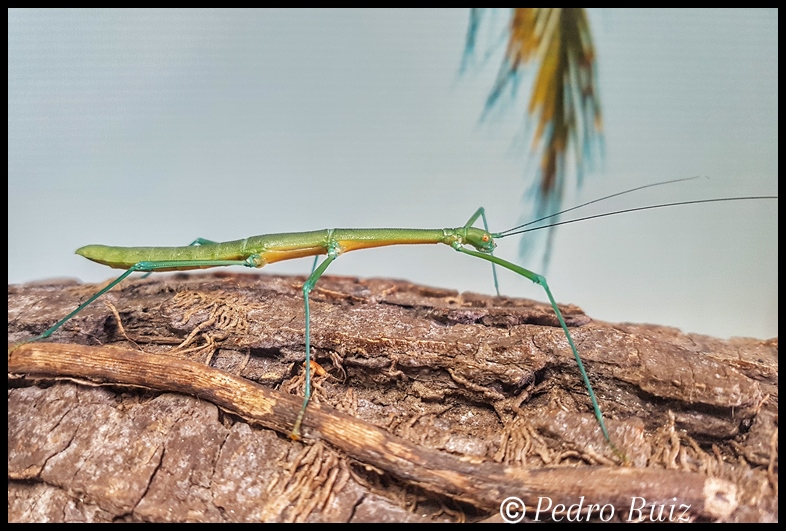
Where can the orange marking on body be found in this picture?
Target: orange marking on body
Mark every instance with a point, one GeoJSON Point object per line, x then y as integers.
{"type": "Point", "coordinates": [278, 256]}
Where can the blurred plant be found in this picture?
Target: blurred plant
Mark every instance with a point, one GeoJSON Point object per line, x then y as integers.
{"type": "Point", "coordinates": [564, 102]}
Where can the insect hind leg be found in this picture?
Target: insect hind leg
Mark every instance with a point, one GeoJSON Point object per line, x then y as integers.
{"type": "Point", "coordinates": [149, 267]}
{"type": "Point", "coordinates": [196, 243]}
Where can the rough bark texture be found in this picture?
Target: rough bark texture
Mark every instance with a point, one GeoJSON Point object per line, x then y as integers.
{"type": "Point", "coordinates": [432, 405]}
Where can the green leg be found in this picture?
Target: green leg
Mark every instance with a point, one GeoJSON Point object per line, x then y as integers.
{"type": "Point", "coordinates": [201, 241]}
{"type": "Point", "coordinates": [481, 212]}
{"type": "Point", "coordinates": [307, 287]}
{"type": "Point", "coordinates": [251, 261]}
{"type": "Point", "coordinates": [540, 280]}
{"type": "Point", "coordinates": [198, 241]}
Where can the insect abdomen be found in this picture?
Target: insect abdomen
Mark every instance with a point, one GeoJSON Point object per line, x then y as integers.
{"type": "Point", "coordinates": [125, 257]}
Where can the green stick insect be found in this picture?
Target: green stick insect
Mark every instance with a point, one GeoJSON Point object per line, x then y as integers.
{"type": "Point", "coordinates": [258, 251]}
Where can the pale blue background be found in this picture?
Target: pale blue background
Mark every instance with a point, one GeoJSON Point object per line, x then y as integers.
{"type": "Point", "coordinates": [154, 127]}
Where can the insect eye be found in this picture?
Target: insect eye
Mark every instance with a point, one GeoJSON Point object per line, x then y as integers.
{"type": "Point", "coordinates": [485, 237]}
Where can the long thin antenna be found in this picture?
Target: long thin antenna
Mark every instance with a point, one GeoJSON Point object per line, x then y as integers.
{"type": "Point", "coordinates": [504, 233]}
{"type": "Point", "coordinates": [625, 211]}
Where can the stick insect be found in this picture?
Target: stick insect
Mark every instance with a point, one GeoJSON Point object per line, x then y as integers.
{"type": "Point", "coordinates": [258, 251]}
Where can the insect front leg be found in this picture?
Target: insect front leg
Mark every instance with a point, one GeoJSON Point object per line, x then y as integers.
{"type": "Point", "coordinates": [541, 281]}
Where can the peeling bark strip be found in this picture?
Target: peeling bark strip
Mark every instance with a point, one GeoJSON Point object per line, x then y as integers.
{"type": "Point", "coordinates": [483, 484]}
{"type": "Point", "coordinates": [474, 397]}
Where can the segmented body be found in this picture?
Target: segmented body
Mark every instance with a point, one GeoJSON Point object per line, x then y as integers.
{"type": "Point", "coordinates": [270, 248]}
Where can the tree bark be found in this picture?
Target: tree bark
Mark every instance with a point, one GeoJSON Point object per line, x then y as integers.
{"type": "Point", "coordinates": [428, 405]}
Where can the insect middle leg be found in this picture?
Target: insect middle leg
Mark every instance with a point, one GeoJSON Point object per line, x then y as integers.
{"type": "Point", "coordinates": [308, 286]}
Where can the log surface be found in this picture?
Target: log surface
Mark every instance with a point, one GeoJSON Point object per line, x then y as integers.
{"type": "Point", "coordinates": [430, 405]}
